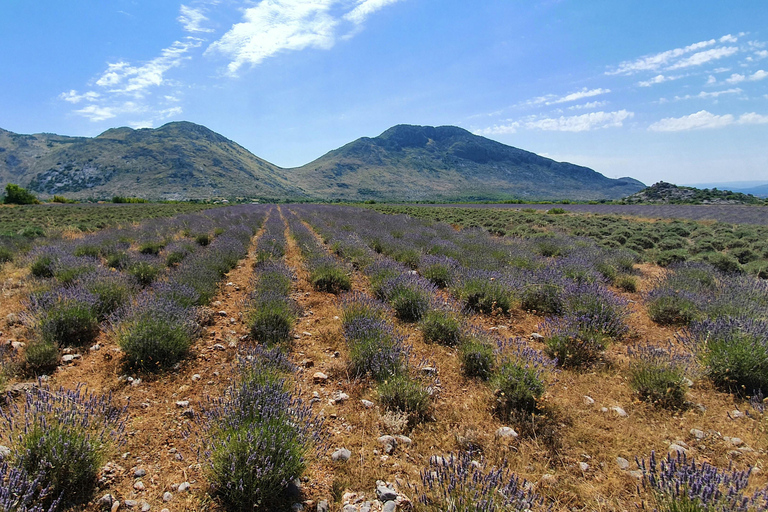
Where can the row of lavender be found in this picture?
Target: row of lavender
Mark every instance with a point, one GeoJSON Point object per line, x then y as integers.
{"type": "Point", "coordinates": [59, 438]}
{"type": "Point", "coordinates": [258, 434]}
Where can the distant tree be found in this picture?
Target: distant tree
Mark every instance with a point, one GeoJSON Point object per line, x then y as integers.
{"type": "Point", "coordinates": [14, 194]}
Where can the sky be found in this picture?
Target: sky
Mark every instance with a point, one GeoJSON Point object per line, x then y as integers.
{"type": "Point", "coordinates": [656, 90]}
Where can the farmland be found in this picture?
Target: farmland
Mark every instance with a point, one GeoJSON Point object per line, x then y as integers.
{"type": "Point", "coordinates": [339, 358]}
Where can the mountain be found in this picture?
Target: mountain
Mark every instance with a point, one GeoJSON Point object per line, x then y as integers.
{"type": "Point", "coordinates": [182, 160]}
{"type": "Point", "coordinates": [179, 160]}
{"type": "Point", "coordinates": [448, 163]}
{"type": "Point", "coordinates": [667, 193]}
{"type": "Point", "coordinates": [756, 188]}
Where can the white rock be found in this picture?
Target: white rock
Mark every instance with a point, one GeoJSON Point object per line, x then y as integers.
{"type": "Point", "coordinates": [618, 410]}
{"type": "Point", "coordinates": [584, 467]}
{"type": "Point", "coordinates": [622, 463]}
{"type": "Point", "coordinates": [184, 486]}
{"type": "Point", "coordinates": [698, 434]}
{"type": "Point", "coordinates": [675, 449]}
{"type": "Point", "coordinates": [182, 404]}
{"type": "Point", "coordinates": [588, 400]}
{"type": "Point", "coordinates": [506, 432]}
{"type": "Point", "coordinates": [366, 403]}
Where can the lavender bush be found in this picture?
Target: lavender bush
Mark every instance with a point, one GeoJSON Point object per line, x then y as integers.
{"type": "Point", "coordinates": [680, 485]}
{"type": "Point", "coordinates": [658, 375]}
{"type": "Point", "coordinates": [59, 441]}
{"type": "Point", "coordinates": [457, 483]}
{"type": "Point", "coordinates": [65, 316]}
{"type": "Point", "coordinates": [154, 333]}
{"type": "Point", "coordinates": [520, 380]}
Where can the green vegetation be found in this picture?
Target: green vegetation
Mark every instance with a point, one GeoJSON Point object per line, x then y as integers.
{"type": "Point", "coordinates": [668, 193]}
{"type": "Point", "coordinates": [14, 194]}
{"type": "Point", "coordinates": [731, 248]}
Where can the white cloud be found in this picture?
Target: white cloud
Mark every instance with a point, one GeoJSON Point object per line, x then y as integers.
{"type": "Point", "coordinates": [365, 8]}
{"type": "Point", "coordinates": [192, 19]}
{"type": "Point", "coordinates": [274, 26]}
{"type": "Point", "coordinates": [757, 75]}
{"type": "Point", "coordinates": [503, 129]}
{"type": "Point", "coordinates": [697, 59]}
{"type": "Point", "coordinates": [708, 95]}
{"type": "Point", "coordinates": [728, 39]}
{"type": "Point", "coordinates": [552, 99]}
{"type": "Point", "coordinates": [711, 80]}
{"type": "Point", "coordinates": [658, 60]}
{"type": "Point", "coordinates": [753, 118]}
{"type": "Point", "coordinates": [658, 79]}
{"type": "Point", "coordinates": [73, 97]}
{"type": "Point", "coordinates": [705, 120]}
{"type": "Point", "coordinates": [588, 105]}
{"type": "Point", "coordinates": [761, 54]}
{"type": "Point", "coordinates": [581, 123]}
{"type": "Point", "coordinates": [97, 113]}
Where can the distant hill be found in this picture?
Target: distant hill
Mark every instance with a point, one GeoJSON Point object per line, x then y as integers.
{"type": "Point", "coordinates": [756, 188]}
{"type": "Point", "coordinates": [667, 193]}
{"type": "Point", "coordinates": [183, 160]}
{"type": "Point", "coordinates": [176, 161]}
{"type": "Point", "coordinates": [448, 163]}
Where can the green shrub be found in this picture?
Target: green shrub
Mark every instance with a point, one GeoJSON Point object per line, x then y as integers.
{"type": "Point", "coordinates": [66, 457]}
{"type": "Point", "coordinates": [271, 321]}
{"type": "Point", "coordinates": [441, 326]}
{"type": "Point", "coordinates": [626, 282]}
{"type": "Point", "coordinates": [737, 362]}
{"type": "Point", "coordinates": [69, 322]}
{"type": "Point", "coordinates": [573, 343]}
{"type": "Point", "coordinates": [145, 272]}
{"type": "Point", "coordinates": [118, 260]}
{"type": "Point", "coordinates": [757, 268]}
{"type": "Point", "coordinates": [518, 388]}
{"type": "Point", "coordinates": [151, 247]}
{"type": "Point", "coordinates": [673, 309]}
{"type": "Point", "coordinates": [666, 258]}
{"type": "Point", "coordinates": [477, 358]}
{"type": "Point", "coordinates": [659, 378]}
{"type": "Point", "coordinates": [6, 255]}
{"type": "Point", "coordinates": [402, 393]}
{"type": "Point", "coordinates": [330, 278]}
{"type": "Point", "coordinates": [42, 266]}
{"type": "Point", "coordinates": [410, 303]}
{"type": "Point", "coordinates": [203, 239]}
{"type": "Point", "coordinates": [725, 263]}
{"type": "Point", "coordinates": [543, 298]}
{"type": "Point", "coordinates": [14, 194]}
{"type": "Point", "coordinates": [155, 333]}
{"type": "Point", "coordinates": [556, 211]}
{"type": "Point", "coordinates": [41, 357]}
{"type": "Point", "coordinates": [484, 295]}
{"type": "Point", "coordinates": [438, 274]}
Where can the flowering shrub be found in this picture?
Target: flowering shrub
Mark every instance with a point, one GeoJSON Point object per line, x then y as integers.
{"type": "Point", "coordinates": [733, 352]}
{"type": "Point", "coordinates": [484, 292]}
{"type": "Point", "coordinates": [477, 354]}
{"type": "Point", "coordinates": [457, 483]}
{"type": "Point", "coordinates": [441, 326]}
{"type": "Point", "coordinates": [154, 333]}
{"type": "Point", "coordinates": [402, 393]}
{"type": "Point", "coordinates": [574, 341]}
{"type": "Point", "coordinates": [374, 348]}
{"type": "Point", "coordinates": [658, 376]}
{"type": "Point", "coordinates": [22, 493]}
{"type": "Point", "coordinates": [60, 438]}
{"type": "Point", "coordinates": [520, 380]}
{"type": "Point", "coordinates": [258, 435]}
{"type": "Point", "coordinates": [680, 485]}
{"type": "Point", "coordinates": [66, 316]}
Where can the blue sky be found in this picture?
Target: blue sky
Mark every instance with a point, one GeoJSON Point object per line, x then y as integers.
{"type": "Point", "coordinates": [674, 91]}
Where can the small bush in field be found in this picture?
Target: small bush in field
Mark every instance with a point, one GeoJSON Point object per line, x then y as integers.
{"type": "Point", "coordinates": [60, 444]}
{"type": "Point", "coordinates": [457, 483]}
{"type": "Point", "coordinates": [658, 376]}
{"type": "Point", "coordinates": [574, 341]}
{"type": "Point", "coordinates": [678, 484]}
{"type": "Point", "coordinates": [151, 247]}
{"type": "Point", "coordinates": [725, 263]}
{"type": "Point", "coordinates": [154, 333]}
{"type": "Point", "coordinates": [518, 387]}
{"type": "Point", "coordinates": [374, 348]}
{"type": "Point", "coordinates": [543, 298]}
{"type": "Point", "coordinates": [478, 358]}
{"type": "Point", "coordinates": [672, 307]}
{"type": "Point", "coordinates": [41, 357]}
{"type": "Point", "coordinates": [402, 393]}
{"type": "Point", "coordinates": [6, 255]}
{"type": "Point", "coordinates": [144, 271]}
{"type": "Point", "coordinates": [733, 352]}
{"type": "Point", "coordinates": [22, 492]}
{"type": "Point", "coordinates": [626, 282]}
{"type": "Point", "coordinates": [271, 320]}
{"type": "Point", "coordinates": [441, 326]}
{"type": "Point", "coordinates": [438, 270]}
{"type": "Point", "coordinates": [484, 294]}
{"type": "Point", "coordinates": [328, 276]}
{"type": "Point", "coordinates": [118, 260]}
{"type": "Point", "coordinates": [42, 266]}
{"type": "Point", "coordinates": [111, 289]}
{"type": "Point", "coordinates": [203, 239]}
{"type": "Point", "coordinates": [67, 316]}
{"type": "Point", "coordinates": [408, 295]}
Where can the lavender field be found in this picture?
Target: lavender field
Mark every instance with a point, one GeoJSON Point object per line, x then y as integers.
{"type": "Point", "coordinates": [316, 357]}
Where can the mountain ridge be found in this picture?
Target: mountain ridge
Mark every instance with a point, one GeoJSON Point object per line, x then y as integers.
{"type": "Point", "coordinates": [184, 160]}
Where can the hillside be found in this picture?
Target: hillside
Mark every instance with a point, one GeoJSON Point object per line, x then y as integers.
{"type": "Point", "coordinates": [667, 193]}
{"type": "Point", "coordinates": [182, 160]}
{"type": "Point", "coordinates": [449, 163]}
{"type": "Point", "coordinates": [176, 161]}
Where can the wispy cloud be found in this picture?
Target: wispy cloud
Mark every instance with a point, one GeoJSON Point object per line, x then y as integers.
{"type": "Point", "coordinates": [553, 99]}
{"type": "Point", "coordinates": [703, 95]}
{"type": "Point", "coordinates": [704, 120]}
{"type": "Point", "coordinates": [192, 19]}
{"type": "Point", "coordinates": [73, 96]}
{"type": "Point", "coordinates": [580, 123]}
{"type": "Point", "coordinates": [274, 26]}
{"type": "Point", "coordinates": [589, 105]}
{"type": "Point", "coordinates": [658, 79]}
{"type": "Point", "coordinates": [697, 59]}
